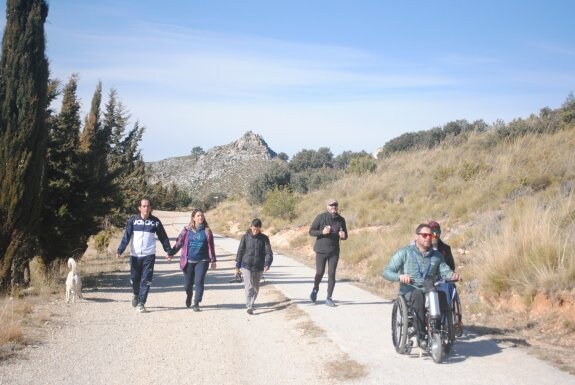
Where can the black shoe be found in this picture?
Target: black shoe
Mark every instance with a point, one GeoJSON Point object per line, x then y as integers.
{"type": "Point", "coordinates": [250, 310]}
{"type": "Point", "coordinates": [313, 295]}
{"type": "Point", "coordinates": [196, 307]}
{"type": "Point", "coordinates": [135, 300]}
{"type": "Point", "coordinates": [188, 300]}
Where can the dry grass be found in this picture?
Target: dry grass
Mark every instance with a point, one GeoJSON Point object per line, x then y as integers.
{"type": "Point", "coordinates": [531, 251]}
{"type": "Point", "coordinates": [345, 369]}
{"type": "Point", "coordinates": [17, 318]}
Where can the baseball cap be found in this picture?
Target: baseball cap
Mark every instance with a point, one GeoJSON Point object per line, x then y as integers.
{"type": "Point", "coordinates": [331, 202]}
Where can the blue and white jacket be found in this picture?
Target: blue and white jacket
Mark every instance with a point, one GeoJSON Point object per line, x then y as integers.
{"type": "Point", "coordinates": [141, 235]}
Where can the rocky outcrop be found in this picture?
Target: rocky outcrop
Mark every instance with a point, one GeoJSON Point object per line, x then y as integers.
{"type": "Point", "coordinates": [224, 169]}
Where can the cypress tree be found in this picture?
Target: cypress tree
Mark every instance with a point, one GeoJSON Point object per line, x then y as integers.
{"type": "Point", "coordinates": [95, 145]}
{"type": "Point", "coordinates": [23, 108]}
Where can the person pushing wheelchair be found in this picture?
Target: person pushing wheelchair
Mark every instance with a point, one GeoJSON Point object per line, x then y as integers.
{"type": "Point", "coordinates": [414, 264]}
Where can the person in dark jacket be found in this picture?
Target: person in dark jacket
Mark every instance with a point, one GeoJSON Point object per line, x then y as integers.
{"type": "Point", "coordinates": [441, 246]}
{"type": "Point", "coordinates": [253, 258]}
{"type": "Point", "coordinates": [445, 250]}
{"type": "Point", "coordinates": [329, 229]}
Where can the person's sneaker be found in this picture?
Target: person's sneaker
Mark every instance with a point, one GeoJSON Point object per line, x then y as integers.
{"type": "Point", "coordinates": [250, 310]}
{"type": "Point", "coordinates": [140, 308]}
{"type": "Point", "coordinates": [313, 295]}
{"type": "Point", "coordinates": [196, 307]}
{"type": "Point", "coordinates": [329, 302]}
{"type": "Point", "coordinates": [188, 300]}
{"type": "Point", "coordinates": [134, 300]}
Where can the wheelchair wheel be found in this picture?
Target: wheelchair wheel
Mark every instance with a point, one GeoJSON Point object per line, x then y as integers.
{"type": "Point", "coordinates": [447, 333]}
{"type": "Point", "coordinates": [399, 325]}
{"type": "Point", "coordinates": [436, 347]}
{"type": "Point", "coordinates": [456, 316]}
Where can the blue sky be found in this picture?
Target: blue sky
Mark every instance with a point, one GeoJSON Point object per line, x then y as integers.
{"type": "Point", "coordinates": [348, 75]}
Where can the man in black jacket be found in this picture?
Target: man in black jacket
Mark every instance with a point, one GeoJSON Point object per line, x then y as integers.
{"type": "Point", "coordinates": [328, 228]}
{"type": "Point", "coordinates": [441, 246]}
{"type": "Point", "coordinates": [254, 257]}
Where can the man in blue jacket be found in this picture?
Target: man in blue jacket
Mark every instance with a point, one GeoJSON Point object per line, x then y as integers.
{"type": "Point", "coordinates": [140, 233]}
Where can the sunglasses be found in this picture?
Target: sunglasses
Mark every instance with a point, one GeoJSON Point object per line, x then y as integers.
{"type": "Point", "coordinates": [437, 232]}
{"type": "Point", "coordinates": [424, 235]}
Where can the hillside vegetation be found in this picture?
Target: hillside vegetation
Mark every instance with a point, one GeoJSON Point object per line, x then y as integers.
{"type": "Point", "coordinates": [505, 205]}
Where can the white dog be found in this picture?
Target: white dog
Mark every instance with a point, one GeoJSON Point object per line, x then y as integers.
{"type": "Point", "coordinates": [73, 282]}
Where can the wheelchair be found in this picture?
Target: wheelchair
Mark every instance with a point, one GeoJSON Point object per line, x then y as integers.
{"type": "Point", "coordinates": [456, 310]}
{"type": "Point", "coordinates": [439, 331]}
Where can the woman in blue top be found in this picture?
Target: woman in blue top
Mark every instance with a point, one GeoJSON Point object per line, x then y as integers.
{"type": "Point", "coordinates": [197, 243]}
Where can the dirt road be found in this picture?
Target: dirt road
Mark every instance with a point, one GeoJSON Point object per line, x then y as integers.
{"type": "Point", "coordinates": [287, 341]}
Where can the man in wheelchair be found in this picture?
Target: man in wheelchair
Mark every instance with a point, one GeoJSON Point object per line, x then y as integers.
{"type": "Point", "coordinates": [414, 264]}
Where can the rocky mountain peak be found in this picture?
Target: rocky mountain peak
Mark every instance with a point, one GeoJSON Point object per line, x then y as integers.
{"type": "Point", "coordinates": [253, 143]}
{"type": "Point", "coordinates": [224, 169]}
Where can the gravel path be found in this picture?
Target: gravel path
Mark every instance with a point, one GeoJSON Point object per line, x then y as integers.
{"type": "Point", "coordinates": [287, 341]}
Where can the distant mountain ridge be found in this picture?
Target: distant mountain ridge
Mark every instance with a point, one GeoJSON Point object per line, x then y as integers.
{"type": "Point", "coordinates": [224, 169]}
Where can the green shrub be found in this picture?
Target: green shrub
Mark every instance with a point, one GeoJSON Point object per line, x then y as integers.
{"type": "Point", "coordinates": [102, 240]}
{"type": "Point", "coordinates": [469, 171]}
{"type": "Point", "coordinates": [280, 203]}
{"type": "Point", "coordinates": [362, 165]}
{"type": "Point", "coordinates": [441, 173]}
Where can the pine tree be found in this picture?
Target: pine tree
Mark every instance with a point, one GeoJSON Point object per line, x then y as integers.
{"type": "Point", "coordinates": [124, 161]}
{"type": "Point", "coordinates": [23, 109]}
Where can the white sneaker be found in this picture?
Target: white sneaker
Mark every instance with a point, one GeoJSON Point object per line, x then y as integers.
{"type": "Point", "coordinates": [140, 308]}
